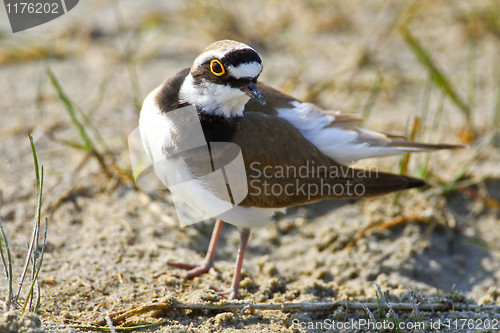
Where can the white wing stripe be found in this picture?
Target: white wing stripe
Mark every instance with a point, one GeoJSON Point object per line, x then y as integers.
{"type": "Point", "coordinates": [344, 145]}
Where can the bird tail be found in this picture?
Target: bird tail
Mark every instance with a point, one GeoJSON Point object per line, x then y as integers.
{"type": "Point", "coordinates": [378, 183]}
{"type": "Point", "coordinates": [410, 146]}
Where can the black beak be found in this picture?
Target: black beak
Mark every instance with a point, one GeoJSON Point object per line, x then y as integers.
{"type": "Point", "coordinates": [252, 91]}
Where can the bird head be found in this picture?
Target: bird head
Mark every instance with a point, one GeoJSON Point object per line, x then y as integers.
{"type": "Point", "coordinates": [223, 78]}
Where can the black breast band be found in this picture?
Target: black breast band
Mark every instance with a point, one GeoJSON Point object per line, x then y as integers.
{"type": "Point", "coordinates": [218, 128]}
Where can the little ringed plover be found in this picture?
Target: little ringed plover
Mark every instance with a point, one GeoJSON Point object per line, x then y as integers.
{"type": "Point", "coordinates": [277, 134]}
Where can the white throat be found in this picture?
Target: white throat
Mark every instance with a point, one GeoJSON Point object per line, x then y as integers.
{"type": "Point", "coordinates": [213, 98]}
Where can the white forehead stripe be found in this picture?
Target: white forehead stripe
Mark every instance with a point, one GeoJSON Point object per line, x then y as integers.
{"type": "Point", "coordinates": [248, 69]}
{"type": "Point", "coordinates": [217, 54]}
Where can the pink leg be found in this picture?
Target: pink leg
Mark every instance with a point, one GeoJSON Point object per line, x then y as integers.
{"type": "Point", "coordinates": [232, 292]}
{"type": "Point", "coordinates": [207, 263]}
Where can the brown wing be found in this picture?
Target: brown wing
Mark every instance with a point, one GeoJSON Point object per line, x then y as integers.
{"type": "Point", "coordinates": [285, 169]}
{"type": "Point", "coordinates": [275, 99]}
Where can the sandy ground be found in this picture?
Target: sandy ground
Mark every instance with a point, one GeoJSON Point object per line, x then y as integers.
{"type": "Point", "coordinates": [108, 243]}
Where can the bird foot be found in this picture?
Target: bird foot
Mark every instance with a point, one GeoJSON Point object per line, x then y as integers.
{"type": "Point", "coordinates": [193, 269]}
{"type": "Point", "coordinates": [229, 293]}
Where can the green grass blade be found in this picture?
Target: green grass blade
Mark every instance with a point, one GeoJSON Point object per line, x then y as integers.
{"type": "Point", "coordinates": [88, 145]}
{"type": "Point", "coordinates": [35, 276]}
{"type": "Point", "coordinates": [447, 188]}
{"type": "Point", "coordinates": [426, 99]}
{"type": "Point", "coordinates": [438, 76]}
{"type": "Point", "coordinates": [37, 215]}
{"type": "Point", "coordinates": [7, 265]}
{"type": "Point", "coordinates": [5, 262]}
{"type": "Point", "coordinates": [471, 73]}
{"type": "Point", "coordinates": [71, 110]}
{"type": "Point", "coordinates": [36, 227]}
{"type": "Point", "coordinates": [35, 160]}
{"type": "Point", "coordinates": [37, 307]}
{"type": "Point", "coordinates": [69, 143]}
{"type": "Point", "coordinates": [422, 173]}
{"type": "Point", "coordinates": [93, 129]}
{"type": "Point", "coordinates": [405, 159]}
{"type": "Point", "coordinates": [374, 92]}
{"type": "Point", "coordinates": [496, 104]}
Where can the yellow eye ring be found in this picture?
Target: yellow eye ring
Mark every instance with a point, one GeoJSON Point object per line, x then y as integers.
{"type": "Point", "coordinates": [219, 69]}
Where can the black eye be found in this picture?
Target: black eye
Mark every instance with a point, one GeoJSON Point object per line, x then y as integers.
{"type": "Point", "coordinates": [217, 68]}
